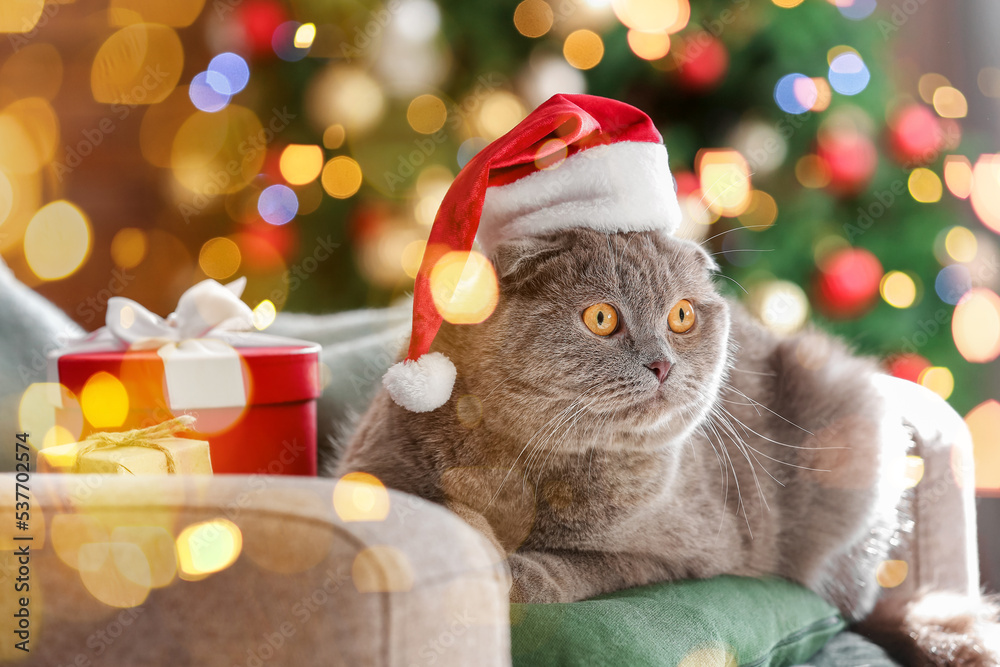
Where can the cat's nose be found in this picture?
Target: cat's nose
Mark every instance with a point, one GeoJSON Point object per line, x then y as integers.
{"type": "Point", "coordinates": [660, 368]}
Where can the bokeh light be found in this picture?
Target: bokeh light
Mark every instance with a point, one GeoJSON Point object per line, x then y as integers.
{"type": "Point", "coordinates": [345, 95]}
{"type": "Point", "coordinates": [649, 45]}
{"type": "Point", "coordinates": [301, 163]}
{"type": "Point", "coordinates": [104, 401]}
{"type": "Point", "coordinates": [848, 74]}
{"type": "Point", "coordinates": [341, 177]}
{"type": "Point", "coordinates": [795, 93]}
{"type": "Point", "coordinates": [358, 496]}
{"type": "Point", "coordinates": [653, 15]}
{"type": "Point", "coordinates": [924, 185]}
{"type": "Point", "coordinates": [760, 213]}
{"type": "Point", "coordinates": [499, 113]}
{"type": "Point", "coordinates": [898, 289]}
{"type": "Point", "coordinates": [176, 13]}
{"type": "Point", "coordinates": [780, 305]}
{"type": "Point", "coordinates": [116, 573]}
{"type": "Point", "coordinates": [204, 91]}
{"type": "Point", "coordinates": [950, 102]}
{"type": "Point", "coordinates": [233, 73]}
{"type": "Point", "coordinates": [219, 258]}
{"type": "Point", "coordinates": [413, 255]}
{"type": "Point", "coordinates": [36, 413]}
{"type": "Point", "coordinates": [891, 573]}
{"type": "Point", "coordinates": [984, 423]}
{"type": "Point", "coordinates": [333, 136]}
{"type": "Point", "coordinates": [856, 10]}
{"type": "Point", "coordinates": [208, 547]}
{"type": "Point", "coordinates": [988, 80]}
{"type": "Point", "coordinates": [122, 66]}
{"type": "Point", "coordinates": [128, 247]}
{"type": "Point", "coordinates": [533, 18]}
{"type": "Point", "coordinates": [952, 283]}
{"type": "Point", "coordinates": [975, 326]}
{"type": "Point", "coordinates": [961, 244]}
{"type": "Point", "coordinates": [986, 190]}
{"type": "Point", "coordinates": [787, 4]}
{"type": "Point", "coordinates": [264, 314]}
{"type": "Point", "coordinates": [724, 176]}
{"type": "Point", "coordinates": [157, 545]}
{"type": "Point", "coordinates": [812, 172]}
{"type": "Point", "coordinates": [277, 204]}
{"type": "Point", "coordinates": [583, 49]}
{"type": "Point", "coordinates": [304, 36]}
{"type": "Point", "coordinates": [464, 287]}
{"type": "Point", "coordinates": [930, 82]}
{"type": "Point", "coordinates": [426, 113]}
{"type": "Point", "coordinates": [958, 175]}
{"type": "Point", "coordinates": [939, 380]}
{"type": "Point", "coordinates": [20, 16]}
{"type": "Point", "coordinates": [57, 240]}
{"type": "Point", "coordinates": [218, 153]}
{"type": "Point", "coordinates": [913, 471]}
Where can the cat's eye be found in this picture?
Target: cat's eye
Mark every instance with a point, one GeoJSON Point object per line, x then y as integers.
{"type": "Point", "coordinates": [601, 318]}
{"type": "Point", "coordinates": [681, 317]}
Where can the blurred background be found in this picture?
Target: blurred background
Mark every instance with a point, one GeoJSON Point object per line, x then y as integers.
{"type": "Point", "coordinates": [838, 155]}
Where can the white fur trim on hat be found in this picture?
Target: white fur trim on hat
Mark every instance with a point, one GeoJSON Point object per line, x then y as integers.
{"type": "Point", "coordinates": [422, 385]}
{"type": "Point", "coordinates": [620, 187]}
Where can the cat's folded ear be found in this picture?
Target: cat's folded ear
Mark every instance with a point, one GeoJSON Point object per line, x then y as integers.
{"type": "Point", "coordinates": [699, 255]}
{"type": "Point", "coordinates": [517, 260]}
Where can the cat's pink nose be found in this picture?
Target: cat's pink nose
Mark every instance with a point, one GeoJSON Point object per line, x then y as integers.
{"type": "Point", "coordinates": [661, 369]}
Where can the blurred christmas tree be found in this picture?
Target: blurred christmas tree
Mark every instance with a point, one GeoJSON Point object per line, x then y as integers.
{"type": "Point", "coordinates": [819, 178]}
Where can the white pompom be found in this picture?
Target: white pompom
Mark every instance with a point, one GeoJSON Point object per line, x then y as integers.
{"type": "Point", "coordinates": [422, 385]}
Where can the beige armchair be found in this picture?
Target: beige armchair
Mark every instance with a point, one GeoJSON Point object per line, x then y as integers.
{"type": "Point", "coordinates": [300, 583]}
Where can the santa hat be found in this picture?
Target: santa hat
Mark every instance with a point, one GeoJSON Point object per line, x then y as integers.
{"type": "Point", "coordinates": [575, 161]}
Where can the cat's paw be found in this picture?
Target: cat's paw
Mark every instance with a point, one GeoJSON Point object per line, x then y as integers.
{"type": "Point", "coordinates": [953, 630]}
{"type": "Point", "coordinates": [532, 582]}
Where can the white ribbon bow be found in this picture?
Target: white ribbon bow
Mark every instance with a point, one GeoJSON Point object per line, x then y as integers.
{"type": "Point", "coordinates": [207, 307]}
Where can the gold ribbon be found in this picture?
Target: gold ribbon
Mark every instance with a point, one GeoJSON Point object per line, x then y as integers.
{"type": "Point", "coordinates": [140, 437]}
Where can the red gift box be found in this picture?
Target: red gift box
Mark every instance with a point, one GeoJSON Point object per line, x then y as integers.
{"type": "Point", "coordinates": [273, 433]}
{"type": "Point", "coordinates": [254, 395]}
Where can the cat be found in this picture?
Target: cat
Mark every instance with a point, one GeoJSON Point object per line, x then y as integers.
{"type": "Point", "coordinates": [617, 422]}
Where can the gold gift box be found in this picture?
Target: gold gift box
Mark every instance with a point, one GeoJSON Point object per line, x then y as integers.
{"type": "Point", "coordinates": [152, 451]}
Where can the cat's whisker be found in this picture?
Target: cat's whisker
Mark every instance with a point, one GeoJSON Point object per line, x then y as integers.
{"type": "Point", "coordinates": [758, 403]}
{"type": "Point", "coordinates": [722, 275]}
{"type": "Point", "coordinates": [743, 370]}
{"type": "Point", "coordinates": [734, 229]}
{"type": "Point", "coordinates": [726, 252]}
{"type": "Point", "coordinates": [782, 444]}
{"type": "Point", "coordinates": [528, 444]}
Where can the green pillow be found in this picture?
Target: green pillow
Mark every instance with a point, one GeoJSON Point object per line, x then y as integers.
{"type": "Point", "coordinates": [719, 622]}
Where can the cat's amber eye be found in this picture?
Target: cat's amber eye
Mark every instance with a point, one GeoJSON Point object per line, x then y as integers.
{"type": "Point", "coordinates": [681, 316]}
{"type": "Point", "coordinates": [601, 318]}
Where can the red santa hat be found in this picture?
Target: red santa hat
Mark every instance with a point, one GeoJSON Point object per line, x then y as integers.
{"type": "Point", "coordinates": [575, 161]}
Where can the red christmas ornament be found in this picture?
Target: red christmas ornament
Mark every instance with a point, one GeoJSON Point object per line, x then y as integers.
{"type": "Point", "coordinates": [915, 135]}
{"type": "Point", "coordinates": [907, 366]}
{"type": "Point", "coordinates": [704, 62]}
{"type": "Point", "coordinates": [851, 158]}
{"type": "Point", "coordinates": [847, 283]}
{"type": "Point", "coordinates": [259, 19]}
